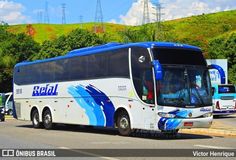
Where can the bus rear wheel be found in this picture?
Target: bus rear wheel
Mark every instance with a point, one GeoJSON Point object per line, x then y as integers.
{"type": "Point", "coordinates": [123, 123]}
{"type": "Point", "coordinates": [47, 119]}
{"type": "Point", "coordinates": [3, 119]}
{"type": "Point", "coordinates": [10, 112]}
{"type": "Point", "coordinates": [35, 119]}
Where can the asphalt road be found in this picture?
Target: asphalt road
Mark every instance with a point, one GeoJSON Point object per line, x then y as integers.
{"type": "Point", "coordinates": [20, 134]}
{"type": "Point", "coordinates": [229, 120]}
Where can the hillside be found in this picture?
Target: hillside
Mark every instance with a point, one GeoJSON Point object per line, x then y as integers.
{"type": "Point", "coordinates": [205, 26]}
{"type": "Point", "coordinates": [190, 30]}
{"type": "Point", "coordinates": [42, 32]}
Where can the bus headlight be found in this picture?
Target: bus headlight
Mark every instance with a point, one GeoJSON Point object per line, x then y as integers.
{"type": "Point", "coordinates": [166, 115]}
{"type": "Point", "coordinates": [207, 115]}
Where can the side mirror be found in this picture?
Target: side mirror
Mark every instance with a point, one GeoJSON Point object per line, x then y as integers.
{"type": "Point", "coordinates": [212, 91]}
{"type": "Point", "coordinates": [157, 69]}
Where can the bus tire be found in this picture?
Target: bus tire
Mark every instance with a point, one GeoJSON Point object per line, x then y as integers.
{"type": "Point", "coordinates": [35, 119]}
{"type": "Point", "coordinates": [123, 123]}
{"type": "Point", "coordinates": [170, 134]}
{"type": "Point", "coordinates": [10, 112]}
{"type": "Point", "coordinates": [3, 119]}
{"type": "Point", "coordinates": [47, 119]}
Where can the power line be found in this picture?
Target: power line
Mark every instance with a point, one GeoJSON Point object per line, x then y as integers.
{"type": "Point", "coordinates": [63, 20]}
{"type": "Point", "coordinates": [99, 26]}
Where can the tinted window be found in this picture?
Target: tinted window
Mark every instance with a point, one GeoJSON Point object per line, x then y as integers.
{"type": "Point", "coordinates": [179, 56]}
{"type": "Point", "coordinates": [78, 68]}
{"type": "Point", "coordinates": [142, 74]}
{"type": "Point", "coordinates": [226, 89]}
{"type": "Point", "coordinates": [109, 64]}
{"type": "Point", "coordinates": [118, 64]}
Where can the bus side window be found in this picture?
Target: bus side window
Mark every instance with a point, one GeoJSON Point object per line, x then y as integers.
{"type": "Point", "coordinates": [142, 74]}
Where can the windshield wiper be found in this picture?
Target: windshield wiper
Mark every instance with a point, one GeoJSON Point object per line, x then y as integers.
{"type": "Point", "coordinates": [177, 102]}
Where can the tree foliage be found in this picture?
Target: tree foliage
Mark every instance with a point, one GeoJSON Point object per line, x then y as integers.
{"type": "Point", "coordinates": [13, 49]}
{"type": "Point", "coordinates": [74, 40]}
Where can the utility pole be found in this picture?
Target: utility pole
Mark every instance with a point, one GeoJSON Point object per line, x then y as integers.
{"type": "Point", "coordinates": [81, 21]}
{"type": "Point", "coordinates": [158, 7]}
{"type": "Point", "coordinates": [159, 15]}
{"type": "Point", "coordinates": [146, 16]}
{"type": "Point", "coordinates": [99, 26]}
{"type": "Point", "coordinates": [40, 16]}
{"type": "Point", "coordinates": [63, 7]}
{"type": "Point", "coordinates": [46, 14]}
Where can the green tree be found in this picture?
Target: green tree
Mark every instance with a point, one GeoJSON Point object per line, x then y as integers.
{"type": "Point", "coordinates": [139, 34]}
{"type": "Point", "coordinates": [13, 49]}
{"type": "Point", "coordinates": [74, 40]}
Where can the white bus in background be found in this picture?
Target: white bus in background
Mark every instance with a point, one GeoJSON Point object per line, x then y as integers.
{"type": "Point", "coordinates": [149, 85]}
{"type": "Point", "coordinates": [9, 103]}
{"type": "Point", "coordinates": [6, 102]}
{"type": "Point", "coordinates": [224, 99]}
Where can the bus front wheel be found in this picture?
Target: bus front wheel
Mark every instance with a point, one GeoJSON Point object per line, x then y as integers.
{"type": "Point", "coordinates": [47, 119]}
{"type": "Point", "coordinates": [123, 123]}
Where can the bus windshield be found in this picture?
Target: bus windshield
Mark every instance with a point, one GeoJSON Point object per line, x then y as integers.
{"type": "Point", "coordinates": [184, 86]}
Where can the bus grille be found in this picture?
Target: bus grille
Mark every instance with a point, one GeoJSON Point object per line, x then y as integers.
{"type": "Point", "coordinates": [18, 109]}
{"type": "Point", "coordinates": [227, 97]}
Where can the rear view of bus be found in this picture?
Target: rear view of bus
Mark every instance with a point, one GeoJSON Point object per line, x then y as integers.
{"type": "Point", "coordinates": [224, 99]}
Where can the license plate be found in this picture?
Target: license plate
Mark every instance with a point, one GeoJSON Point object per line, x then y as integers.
{"type": "Point", "coordinates": [188, 124]}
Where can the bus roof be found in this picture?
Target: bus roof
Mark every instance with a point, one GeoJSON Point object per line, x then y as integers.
{"type": "Point", "coordinates": [112, 46]}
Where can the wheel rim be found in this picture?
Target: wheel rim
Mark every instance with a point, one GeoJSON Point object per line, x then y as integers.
{"type": "Point", "coordinates": [124, 123]}
{"type": "Point", "coordinates": [47, 119]}
{"type": "Point", "coordinates": [36, 119]}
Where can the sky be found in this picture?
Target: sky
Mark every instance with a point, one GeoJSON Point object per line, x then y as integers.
{"type": "Point", "coordinates": [128, 12]}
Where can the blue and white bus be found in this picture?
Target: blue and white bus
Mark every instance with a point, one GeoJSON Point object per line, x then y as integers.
{"type": "Point", "coordinates": [148, 85]}
{"type": "Point", "coordinates": [224, 99]}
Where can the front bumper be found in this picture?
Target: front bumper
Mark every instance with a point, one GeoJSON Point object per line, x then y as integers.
{"type": "Point", "coordinates": [167, 124]}
{"type": "Point", "coordinates": [225, 112]}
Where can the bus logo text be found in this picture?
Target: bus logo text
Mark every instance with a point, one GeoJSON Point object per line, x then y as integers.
{"type": "Point", "coordinates": [48, 90]}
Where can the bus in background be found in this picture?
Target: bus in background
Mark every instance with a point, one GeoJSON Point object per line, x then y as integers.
{"type": "Point", "coordinates": [8, 103]}
{"type": "Point", "coordinates": [148, 85]}
{"type": "Point", "coordinates": [2, 109]}
{"type": "Point", "coordinates": [224, 99]}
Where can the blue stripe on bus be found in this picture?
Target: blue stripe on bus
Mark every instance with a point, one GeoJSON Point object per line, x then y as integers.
{"type": "Point", "coordinates": [98, 106]}
{"type": "Point", "coordinates": [91, 102]}
{"type": "Point", "coordinates": [102, 100]}
{"type": "Point", "coordinates": [173, 123]}
{"type": "Point", "coordinates": [78, 94]}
